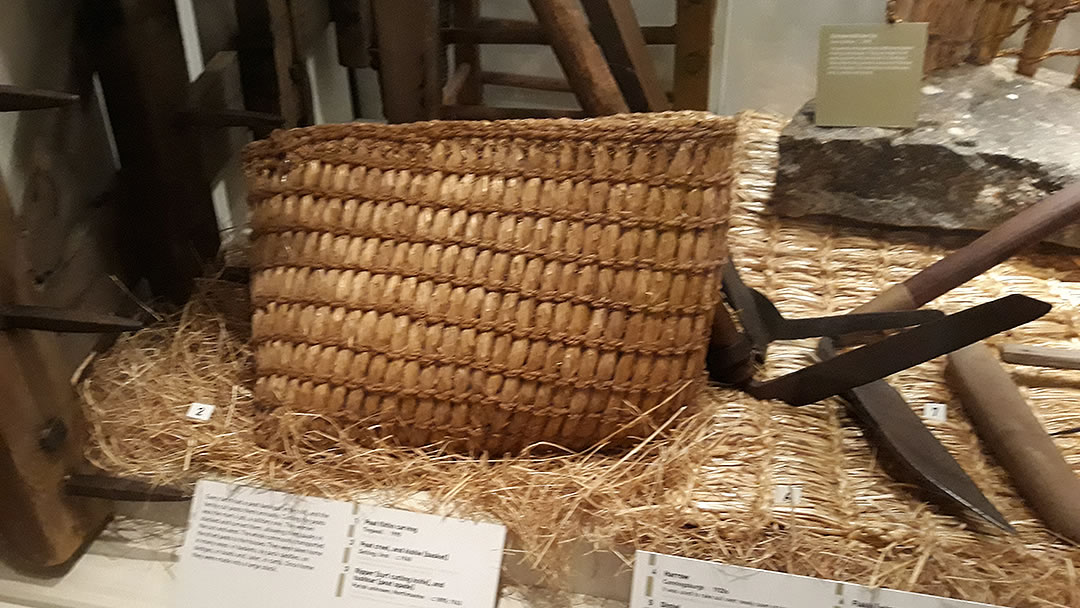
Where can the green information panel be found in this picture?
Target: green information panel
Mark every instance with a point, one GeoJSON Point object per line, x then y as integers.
{"type": "Point", "coordinates": [869, 75]}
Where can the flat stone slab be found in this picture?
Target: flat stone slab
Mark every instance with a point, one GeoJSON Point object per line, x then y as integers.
{"type": "Point", "coordinates": [989, 143]}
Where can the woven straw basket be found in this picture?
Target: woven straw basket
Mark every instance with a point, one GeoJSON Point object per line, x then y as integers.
{"type": "Point", "coordinates": [488, 285]}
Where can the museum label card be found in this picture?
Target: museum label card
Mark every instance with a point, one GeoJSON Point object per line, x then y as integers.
{"type": "Point", "coordinates": [666, 581]}
{"type": "Point", "coordinates": [247, 547]}
{"type": "Point", "coordinates": [870, 75]}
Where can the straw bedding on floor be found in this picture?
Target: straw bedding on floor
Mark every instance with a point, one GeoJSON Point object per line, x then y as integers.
{"type": "Point", "coordinates": [701, 484]}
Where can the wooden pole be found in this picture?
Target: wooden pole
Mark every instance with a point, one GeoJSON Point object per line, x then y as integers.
{"type": "Point", "coordinates": [402, 30]}
{"type": "Point", "coordinates": [525, 81]}
{"type": "Point", "coordinates": [693, 53]}
{"type": "Point", "coordinates": [616, 29]}
{"type": "Point", "coordinates": [581, 58]}
{"type": "Point", "coordinates": [466, 14]}
{"type": "Point", "coordinates": [517, 31]}
{"type": "Point", "coordinates": [1039, 36]}
{"type": "Point", "coordinates": [994, 23]}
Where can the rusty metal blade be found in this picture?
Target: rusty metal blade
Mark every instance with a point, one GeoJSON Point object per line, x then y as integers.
{"type": "Point", "coordinates": [900, 351]}
{"type": "Point", "coordinates": [116, 488]}
{"type": "Point", "coordinates": [899, 432]}
{"type": "Point", "coordinates": [14, 98]}
{"type": "Point", "coordinates": [46, 318]}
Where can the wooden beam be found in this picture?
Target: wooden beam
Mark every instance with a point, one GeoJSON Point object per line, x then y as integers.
{"type": "Point", "coordinates": [309, 19]}
{"type": "Point", "coordinates": [217, 88]}
{"type": "Point", "coordinates": [581, 58]}
{"type": "Point", "coordinates": [693, 53]}
{"type": "Point", "coordinates": [463, 112]}
{"type": "Point", "coordinates": [466, 14]}
{"type": "Point", "coordinates": [525, 81]}
{"type": "Point", "coordinates": [42, 528]}
{"type": "Point", "coordinates": [1040, 35]}
{"type": "Point", "coordinates": [616, 29]}
{"type": "Point", "coordinates": [217, 25]}
{"type": "Point", "coordinates": [407, 34]}
{"type": "Point", "coordinates": [265, 50]}
{"type": "Point", "coordinates": [516, 31]}
{"type": "Point", "coordinates": [139, 56]}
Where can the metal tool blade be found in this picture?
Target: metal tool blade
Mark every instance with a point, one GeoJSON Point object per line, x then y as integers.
{"type": "Point", "coordinates": [900, 432]}
{"type": "Point", "coordinates": [63, 320]}
{"type": "Point", "coordinates": [837, 325]}
{"type": "Point", "coordinates": [14, 98]}
{"type": "Point", "coordinates": [763, 323]}
{"type": "Point", "coordinates": [900, 351]}
{"type": "Point", "coordinates": [116, 488]}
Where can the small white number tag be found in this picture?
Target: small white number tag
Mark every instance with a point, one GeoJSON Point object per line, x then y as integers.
{"type": "Point", "coordinates": [787, 494]}
{"type": "Point", "coordinates": [200, 411]}
{"type": "Point", "coordinates": [935, 412]}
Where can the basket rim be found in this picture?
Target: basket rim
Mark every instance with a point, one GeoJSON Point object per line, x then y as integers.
{"type": "Point", "coordinates": [631, 127]}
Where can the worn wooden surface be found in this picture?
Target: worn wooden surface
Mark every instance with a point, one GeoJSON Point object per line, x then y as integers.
{"type": "Point", "coordinates": [693, 53]}
{"type": "Point", "coordinates": [465, 112]}
{"type": "Point", "coordinates": [994, 22]}
{"type": "Point", "coordinates": [352, 22]}
{"type": "Point", "coordinates": [218, 88]}
{"type": "Point", "coordinates": [582, 60]}
{"type": "Point", "coordinates": [615, 27]}
{"type": "Point", "coordinates": [525, 81]}
{"type": "Point", "coordinates": [40, 528]}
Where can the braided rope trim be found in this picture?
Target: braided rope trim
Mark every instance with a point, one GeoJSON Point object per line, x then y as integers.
{"type": "Point", "coordinates": [707, 306]}
{"type": "Point", "coordinates": [260, 196]}
{"type": "Point", "coordinates": [276, 256]}
{"type": "Point", "coordinates": [636, 128]}
{"type": "Point", "coordinates": [499, 329]}
{"type": "Point", "coordinates": [454, 397]}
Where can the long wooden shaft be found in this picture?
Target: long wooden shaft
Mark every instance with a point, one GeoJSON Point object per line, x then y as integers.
{"type": "Point", "coordinates": [581, 58]}
{"type": "Point", "coordinates": [1016, 438]}
{"type": "Point", "coordinates": [1022, 230]}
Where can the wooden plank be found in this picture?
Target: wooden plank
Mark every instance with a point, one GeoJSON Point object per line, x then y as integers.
{"type": "Point", "coordinates": [40, 528]}
{"type": "Point", "coordinates": [693, 53]}
{"type": "Point", "coordinates": [994, 23]}
{"type": "Point", "coordinates": [139, 56]}
{"type": "Point", "coordinates": [1040, 35]}
{"type": "Point", "coordinates": [525, 81]}
{"type": "Point", "coordinates": [265, 64]}
{"type": "Point", "coordinates": [517, 31]}
{"type": "Point", "coordinates": [406, 35]}
{"type": "Point", "coordinates": [352, 22]}
{"type": "Point", "coordinates": [580, 57]}
{"type": "Point", "coordinates": [466, 14]}
{"type": "Point", "coordinates": [616, 29]}
{"type": "Point", "coordinates": [463, 112]}
{"type": "Point", "coordinates": [218, 88]}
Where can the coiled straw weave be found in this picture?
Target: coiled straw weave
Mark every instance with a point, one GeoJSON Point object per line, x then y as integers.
{"type": "Point", "coordinates": [488, 285]}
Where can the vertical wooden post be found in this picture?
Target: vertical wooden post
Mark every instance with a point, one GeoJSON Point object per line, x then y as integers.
{"type": "Point", "coordinates": [581, 58]}
{"type": "Point", "coordinates": [139, 56]}
{"type": "Point", "coordinates": [406, 34]}
{"type": "Point", "coordinates": [467, 17]}
{"type": "Point", "coordinates": [693, 53]}
{"type": "Point", "coordinates": [1039, 36]}
{"type": "Point", "coordinates": [994, 23]}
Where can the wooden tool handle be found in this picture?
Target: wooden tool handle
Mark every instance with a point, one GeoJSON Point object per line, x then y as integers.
{"type": "Point", "coordinates": [1023, 229]}
{"type": "Point", "coordinates": [1013, 434]}
{"type": "Point", "coordinates": [1060, 358]}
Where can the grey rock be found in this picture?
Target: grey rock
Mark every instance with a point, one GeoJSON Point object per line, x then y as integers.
{"type": "Point", "coordinates": [989, 143]}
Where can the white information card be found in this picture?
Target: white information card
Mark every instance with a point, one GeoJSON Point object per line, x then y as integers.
{"type": "Point", "coordinates": [666, 581]}
{"type": "Point", "coordinates": [247, 547]}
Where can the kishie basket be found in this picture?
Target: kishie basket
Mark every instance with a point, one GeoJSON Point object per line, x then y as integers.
{"type": "Point", "coordinates": [488, 285]}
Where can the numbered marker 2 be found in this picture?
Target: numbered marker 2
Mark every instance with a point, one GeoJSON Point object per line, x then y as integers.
{"type": "Point", "coordinates": [200, 411]}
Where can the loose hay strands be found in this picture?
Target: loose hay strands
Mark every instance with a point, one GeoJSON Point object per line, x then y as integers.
{"type": "Point", "coordinates": [702, 489]}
